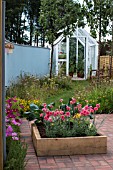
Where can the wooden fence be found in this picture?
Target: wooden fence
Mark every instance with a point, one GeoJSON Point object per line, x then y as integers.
{"type": "Point", "coordinates": [105, 62]}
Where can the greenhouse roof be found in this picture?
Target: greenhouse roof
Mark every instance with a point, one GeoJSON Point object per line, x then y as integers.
{"type": "Point", "coordinates": [81, 34]}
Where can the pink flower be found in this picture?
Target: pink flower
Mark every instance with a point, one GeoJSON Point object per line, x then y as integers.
{"type": "Point", "coordinates": [67, 114]}
{"type": "Point", "coordinates": [44, 104]}
{"type": "Point", "coordinates": [84, 112]}
{"type": "Point", "coordinates": [14, 134]}
{"type": "Point", "coordinates": [41, 114]}
{"type": "Point", "coordinates": [51, 106]}
{"type": "Point", "coordinates": [9, 131]}
{"type": "Point", "coordinates": [44, 109]}
{"type": "Point", "coordinates": [71, 102]}
{"type": "Point", "coordinates": [95, 108]}
{"type": "Point", "coordinates": [62, 117]}
{"type": "Point", "coordinates": [86, 107]}
{"type": "Point", "coordinates": [15, 122]}
{"type": "Point", "coordinates": [46, 117]}
{"type": "Point", "coordinates": [68, 108]}
{"type": "Point", "coordinates": [92, 111]}
{"type": "Point", "coordinates": [98, 105]}
{"type": "Point", "coordinates": [61, 100]}
{"type": "Point", "coordinates": [50, 119]}
{"type": "Point", "coordinates": [55, 114]}
{"type": "Point", "coordinates": [74, 100]}
{"type": "Point", "coordinates": [75, 108]}
{"type": "Point", "coordinates": [79, 106]}
{"type": "Point", "coordinates": [61, 112]}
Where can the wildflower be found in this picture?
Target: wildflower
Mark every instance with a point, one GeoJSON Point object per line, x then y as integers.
{"type": "Point", "coordinates": [86, 101]}
{"type": "Point", "coordinates": [61, 100]}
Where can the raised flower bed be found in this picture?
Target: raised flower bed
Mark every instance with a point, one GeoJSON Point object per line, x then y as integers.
{"type": "Point", "coordinates": [69, 130]}
{"type": "Point", "coordinates": [68, 145]}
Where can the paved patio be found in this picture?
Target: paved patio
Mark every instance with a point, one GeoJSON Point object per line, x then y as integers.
{"type": "Point", "coordinates": [75, 162]}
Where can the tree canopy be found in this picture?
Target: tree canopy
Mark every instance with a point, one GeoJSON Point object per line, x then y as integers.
{"type": "Point", "coordinates": [59, 16]}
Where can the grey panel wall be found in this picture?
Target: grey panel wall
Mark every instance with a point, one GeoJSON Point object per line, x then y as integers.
{"type": "Point", "coordinates": [26, 59]}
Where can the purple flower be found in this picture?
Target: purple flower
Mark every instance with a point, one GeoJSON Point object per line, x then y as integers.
{"type": "Point", "coordinates": [15, 138]}
{"type": "Point", "coordinates": [9, 131]}
{"type": "Point", "coordinates": [14, 134]}
{"type": "Point", "coordinates": [15, 122]}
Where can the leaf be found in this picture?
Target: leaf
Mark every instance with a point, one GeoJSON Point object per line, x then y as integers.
{"type": "Point", "coordinates": [63, 107]}
{"type": "Point", "coordinates": [33, 107]}
{"type": "Point", "coordinates": [91, 116]}
{"type": "Point", "coordinates": [27, 113]}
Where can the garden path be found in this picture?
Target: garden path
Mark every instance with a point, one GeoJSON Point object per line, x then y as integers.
{"type": "Point", "coordinates": [75, 162]}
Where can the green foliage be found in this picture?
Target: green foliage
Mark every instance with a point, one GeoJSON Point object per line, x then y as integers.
{"type": "Point", "coordinates": [98, 14]}
{"type": "Point", "coordinates": [16, 156]}
{"type": "Point", "coordinates": [59, 15]}
{"type": "Point", "coordinates": [56, 15]}
{"type": "Point", "coordinates": [34, 113]}
{"type": "Point", "coordinates": [30, 87]}
{"type": "Point", "coordinates": [77, 128]}
{"type": "Point", "coordinates": [102, 95]}
{"type": "Point", "coordinates": [22, 16]}
{"type": "Point", "coordinates": [50, 90]}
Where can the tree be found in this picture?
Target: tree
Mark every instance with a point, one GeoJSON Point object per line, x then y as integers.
{"type": "Point", "coordinates": [32, 14]}
{"type": "Point", "coordinates": [22, 16]}
{"type": "Point", "coordinates": [15, 24]}
{"type": "Point", "coordinates": [98, 19]}
{"type": "Point", "coordinates": [59, 15]}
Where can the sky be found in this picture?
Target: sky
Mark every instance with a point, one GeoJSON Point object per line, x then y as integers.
{"type": "Point", "coordinates": [81, 1]}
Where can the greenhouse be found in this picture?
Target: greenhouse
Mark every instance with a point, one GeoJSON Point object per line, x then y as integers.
{"type": "Point", "coordinates": [76, 55]}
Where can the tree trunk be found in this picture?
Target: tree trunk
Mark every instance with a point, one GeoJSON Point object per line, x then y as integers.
{"type": "Point", "coordinates": [99, 49]}
{"type": "Point", "coordinates": [51, 62]}
{"type": "Point", "coordinates": [31, 32]}
{"type": "Point", "coordinates": [37, 40]}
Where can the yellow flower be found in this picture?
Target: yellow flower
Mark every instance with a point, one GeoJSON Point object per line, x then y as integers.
{"type": "Point", "coordinates": [77, 116]}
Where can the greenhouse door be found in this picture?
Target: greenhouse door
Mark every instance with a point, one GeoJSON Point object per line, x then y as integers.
{"type": "Point", "coordinates": [81, 61]}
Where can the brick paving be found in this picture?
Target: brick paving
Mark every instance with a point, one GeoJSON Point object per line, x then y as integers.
{"type": "Point", "coordinates": [74, 162]}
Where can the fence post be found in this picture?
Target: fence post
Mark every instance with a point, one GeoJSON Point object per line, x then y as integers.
{"type": "Point", "coordinates": [1, 135]}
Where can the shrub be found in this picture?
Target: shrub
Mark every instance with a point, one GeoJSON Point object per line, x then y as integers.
{"type": "Point", "coordinates": [16, 156]}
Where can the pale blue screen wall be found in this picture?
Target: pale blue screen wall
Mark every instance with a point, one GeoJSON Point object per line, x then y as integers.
{"type": "Point", "coordinates": [26, 59]}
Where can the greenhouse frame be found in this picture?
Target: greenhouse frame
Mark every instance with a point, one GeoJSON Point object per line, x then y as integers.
{"type": "Point", "coordinates": [79, 51]}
